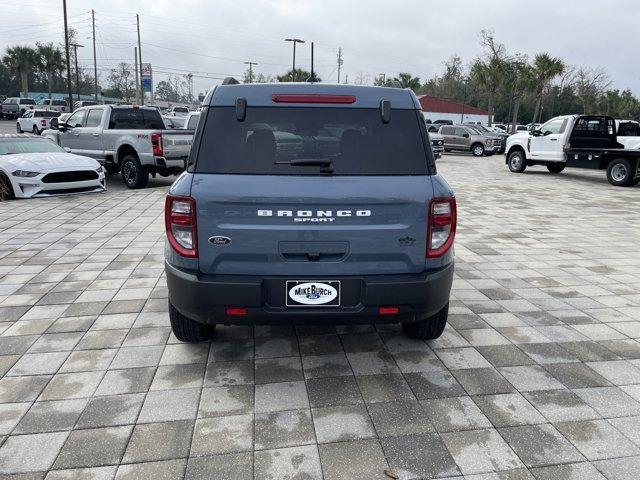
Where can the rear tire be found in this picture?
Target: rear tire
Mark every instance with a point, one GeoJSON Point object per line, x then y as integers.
{"type": "Point", "coordinates": [187, 330]}
{"type": "Point", "coordinates": [517, 162]}
{"type": "Point", "coordinates": [555, 167]}
{"type": "Point", "coordinates": [6, 190]}
{"type": "Point", "coordinates": [35, 130]}
{"type": "Point", "coordinates": [133, 175]}
{"type": "Point", "coordinates": [620, 173]}
{"type": "Point", "coordinates": [18, 128]}
{"type": "Point", "coordinates": [429, 328]}
{"type": "Point", "coordinates": [635, 182]}
{"type": "Point", "coordinates": [477, 150]}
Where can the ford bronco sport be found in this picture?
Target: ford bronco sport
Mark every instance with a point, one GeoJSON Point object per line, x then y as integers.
{"type": "Point", "coordinates": [309, 204]}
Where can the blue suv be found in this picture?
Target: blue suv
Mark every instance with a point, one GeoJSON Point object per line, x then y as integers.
{"type": "Point", "coordinates": [309, 204]}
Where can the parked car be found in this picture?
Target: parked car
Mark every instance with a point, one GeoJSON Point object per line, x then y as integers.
{"type": "Point", "coordinates": [192, 120]}
{"type": "Point", "coordinates": [437, 144]}
{"type": "Point", "coordinates": [501, 126]}
{"type": "Point", "coordinates": [443, 122]}
{"type": "Point", "coordinates": [467, 138]}
{"type": "Point", "coordinates": [579, 141]}
{"type": "Point", "coordinates": [363, 233]}
{"type": "Point", "coordinates": [15, 107]}
{"type": "Point", "coordinates": [52, 104]}
{"type": "Point", "coordinates": [177, 112]}
{"type": "Point", "coordinates": [431, 127]}
{"type": "Point", "coordinates": [174, 122]}
{"type": "Point", "coordinates": [132, 140]}
{"type": "Point", "coordinates": [35, 121]}
{"type": "Point", "coordinates": [36, 167]}
{"type": "Point", "coordinates": [492, 133]}
{"type": "Point", "coordinates": [628, 133]}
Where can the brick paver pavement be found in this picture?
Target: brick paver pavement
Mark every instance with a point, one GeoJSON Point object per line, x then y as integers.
{"type": "Point", "coordinates": [536, 377]}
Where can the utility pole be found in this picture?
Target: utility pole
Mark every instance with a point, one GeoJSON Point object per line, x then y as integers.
{"type": "Point", "coordinates": [95, 64]}
{"type": "Point", "coordinates": [75, 54]}
{"type": "Point", "coordinates": [294, 40]}
{"type": "Point", "coordinates": [251, 64]}
{"type": "Point", "coordinates": [140, 58]}
{"type": "Point", "coordinates": [312, 78]}
{"type": "Point", "coordinates": [138, 86]}
{"type": "Point", "coordinates": [66, 49]}
{"type": "Point", "coordinates": [339, 62]}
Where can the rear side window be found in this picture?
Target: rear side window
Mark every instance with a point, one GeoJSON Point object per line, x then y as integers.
{"type": "Point", "coordinates": [135, 118]}
{"type": "Point", "coordinates": [27, 101]}
{"type": "Point", "coordinates": [94, 117]}
{"type": "Point", "coordinates": [59, 103]}
{"type": "Point", "coordinates": [193, 122]}
{"type": "Point", "coordinates": [271, 140]}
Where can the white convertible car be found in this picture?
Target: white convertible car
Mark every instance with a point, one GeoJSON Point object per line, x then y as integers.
{"type": "Point", "coordinates": [33, 166]}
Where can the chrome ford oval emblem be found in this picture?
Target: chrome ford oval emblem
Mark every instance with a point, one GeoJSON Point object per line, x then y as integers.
{"type": "Point", "coordinates": [219, 240]}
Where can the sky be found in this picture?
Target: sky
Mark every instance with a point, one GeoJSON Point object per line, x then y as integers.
{"type": "Point", "coordinates": [213, 39]}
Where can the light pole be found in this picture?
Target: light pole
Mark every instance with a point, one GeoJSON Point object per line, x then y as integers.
{"type": "Point", "coordinates": [464, 99]}
{"type": "Point", "coordinates": [66, 51]}
{"type": "Point", "coordinates": [294, 40]}
{"type": "Point", "coordinates": [75, 54]}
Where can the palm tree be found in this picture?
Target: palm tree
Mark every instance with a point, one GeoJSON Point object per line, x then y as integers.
{"type": "Point", "coordinates": [490, 74]}
{"type": "Point", "coordinates": [50, 60]}
{"type": "Point", "coordinates": [545, 69]}
{"type": "Point", "coordinates": [408, 81]}
{"type": "Point", "coordinates": [21, 60]}
{"type": "Point", "coordinates": [519, 79]}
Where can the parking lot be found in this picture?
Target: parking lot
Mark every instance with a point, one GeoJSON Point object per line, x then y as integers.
{"type": "Point", "coordinates": [536, 377]}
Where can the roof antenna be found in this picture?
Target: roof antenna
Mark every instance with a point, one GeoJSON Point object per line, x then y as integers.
{"type": "Point", "coordinates": [312, 78]}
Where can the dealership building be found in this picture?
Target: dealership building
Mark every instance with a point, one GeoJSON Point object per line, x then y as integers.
{"type": "Point", "coordinates": [435, 108]}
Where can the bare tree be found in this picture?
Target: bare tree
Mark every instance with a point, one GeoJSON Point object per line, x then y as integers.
{"type": "Point", "coordinates": [362, 79]}
{"type": "Point", "coordinates": [589, 85]}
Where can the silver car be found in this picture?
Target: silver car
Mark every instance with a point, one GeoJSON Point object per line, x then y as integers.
{"type": "Point", "coordinates": [468, 139]}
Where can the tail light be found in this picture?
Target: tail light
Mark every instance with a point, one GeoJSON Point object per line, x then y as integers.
{"type": "Point", "coordinates": [442, 226]}
{"type": "Point", "coordinates": [180, 224]}
{"type": "Point", "coordinates": [156, 143]}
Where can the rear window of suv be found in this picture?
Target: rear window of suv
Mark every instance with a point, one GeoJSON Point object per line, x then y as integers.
{"type": "Point", "coordinates": [352, 141]}
{"type": "Point", "coordinates": [135, 118]}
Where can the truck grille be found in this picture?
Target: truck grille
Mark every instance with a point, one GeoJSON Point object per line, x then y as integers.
{"type": "Point", "coordinates": [76, 176]}
{"type": "Point", "coordinates": [497, 141]}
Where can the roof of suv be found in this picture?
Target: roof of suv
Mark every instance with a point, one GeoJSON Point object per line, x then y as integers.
{"type": "Point", "coordinates": [260, 95]}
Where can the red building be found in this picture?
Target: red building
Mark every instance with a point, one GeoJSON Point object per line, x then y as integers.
{"type": "Point", "coordinates": [435, 108]}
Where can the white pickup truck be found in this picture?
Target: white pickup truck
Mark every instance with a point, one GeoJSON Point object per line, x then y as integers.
{"type": "Point", "coordinates": [131, 140]}
{"type": "Point", "coordinates": [579, 141]}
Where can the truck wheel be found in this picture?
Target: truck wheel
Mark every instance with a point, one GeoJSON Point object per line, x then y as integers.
{"type": "Point", "coordinates": [35, 130]}
{"type": "Point", "coordinates": [516, 162]}
{"type": "Point", "coordinates": [477, 150]}
{"type": "Point", "coordinates": [620, 173]}
{"type": "Point", "coordinates": [133, 174]}
{"type": "Point", "coordinates": [187, 330]}
{"type": "Point", "coordinates": [6, 190]}
{"type": "Point", "coordinates": [18, 128]}
{"type": "Point", "coordinates": [429, 328]}
{"type": "Point", "coordinates": [635, 182]}
{"type": "Point", "coordinates": [555, 167]}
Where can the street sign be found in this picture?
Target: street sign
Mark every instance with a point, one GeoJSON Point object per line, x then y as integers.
{"type": "Point", "coordinates": [146, 77]}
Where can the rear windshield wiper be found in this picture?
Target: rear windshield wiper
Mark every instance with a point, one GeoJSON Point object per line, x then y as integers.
{"type": "Point", "coordinates": [306, 162]}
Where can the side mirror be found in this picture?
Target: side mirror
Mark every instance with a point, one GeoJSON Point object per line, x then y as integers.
{"type": "Point", "coordinates": [465, 135]}
{"type": "Point", "coordinates": [53, 123]}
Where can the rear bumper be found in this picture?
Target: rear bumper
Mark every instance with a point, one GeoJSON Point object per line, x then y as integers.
{"type": "Point", "coordinates": [204, 298]}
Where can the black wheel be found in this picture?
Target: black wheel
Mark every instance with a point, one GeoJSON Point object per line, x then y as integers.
{"type": "Point", "coordinates": [555, 167]}
{"type": "Point", "coordinates": [111, 168]}
{"type": "Point", "coordinates": [477, 149]}
{"type": "Point", "coordinates": [620, 173]}
{"type": "Point", "coordinates": [517, 162]}
{"type": "Point", "coordinates": [6, 190]}
{"type": "Point", "coordinates": [187, 330]}
{"type": "Point", "coordinates": [35, 130]}
{"type": "Point", "coordinates": [133, 175]}
{"type": "Point", "coordinates": [18, 128]}
{"type": "Point", "coordinates": [429, 328]}
{"type": "Point", "coordinates": [635, 182]}
{"type": "Point", "coordinates": [488, 154]}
